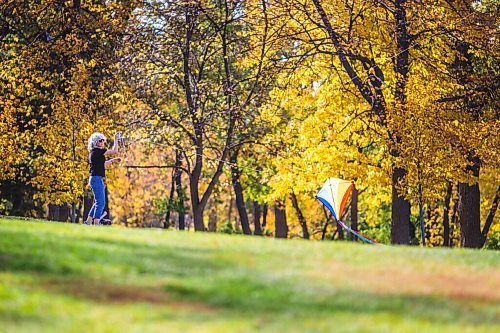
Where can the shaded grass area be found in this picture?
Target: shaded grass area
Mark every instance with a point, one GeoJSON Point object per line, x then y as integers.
{"type": "Point", "coordinates": [62, 277]}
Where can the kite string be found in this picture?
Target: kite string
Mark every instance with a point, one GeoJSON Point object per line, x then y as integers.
{"type": "Point", "coordinates": [360, 235]}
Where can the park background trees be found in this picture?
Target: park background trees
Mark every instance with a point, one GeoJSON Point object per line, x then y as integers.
{"type": "Point", "coordinates": [235, 112]}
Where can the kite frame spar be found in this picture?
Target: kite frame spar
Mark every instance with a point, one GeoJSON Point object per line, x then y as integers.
{"type": "Point", "coordinates": [330, 191]}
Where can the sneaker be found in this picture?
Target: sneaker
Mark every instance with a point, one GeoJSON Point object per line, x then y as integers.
{"type": "Point", "coordinates": [106, 222]}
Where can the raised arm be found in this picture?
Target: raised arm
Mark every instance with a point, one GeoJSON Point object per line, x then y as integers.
{"type": "Point", "coordinates": [114, 149]}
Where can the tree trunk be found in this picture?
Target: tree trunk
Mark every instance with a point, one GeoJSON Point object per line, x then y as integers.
{"type": "Point", "coordinates": [196, 205]}
{"type": "Point", "coordinates": [199, 201]}
{"type": "Point", "coordinates": [469, 216]}
{"type": "Point", "coordinates": [181, 197]}
{"type": "Point", "coordinates": [199, 225]}
{"type": "Point", "coordinates": [491, 215]}
{"type": "Point", "coordinates": [327, 221]}
{"type": "Point", "coordinates": [454, 219]}
{"type": "Point", "coordinates": [280, 220]}
{"type": "Point", "coordinates": [58, 213]}
{"type": "Point", "coordinates": [63, 213]}
{"type": "Point", "coordinates": [230, 210]}
{"type": "Point", "coordinates": [238, 191]}
{"type": "Point", "coordinates": [423, 234]}
{"type": "Point", "coordinates": [264, 215]}
{"type": "Point", "coordinates": [323, 232]}
{"type": "Point", "coordinates": [446, 215]}
{"type": "Point", "coordinates": [73, 212]}
{"type": "Point", "coordinates": [400, 231]}
{"type": "Point", "coordinates": [339, 231]}
{"type": "Point", "coordinates": [88, 201]}
{"type": "Point", "coordinates": [400, 215]}
{"type": "Point", "coordinates": [79, 212]}
{"type": "Point", "coordinates": [469, 209]}
{"type": "Point", "coordinates": [469, 196]}
{"type": "Point", "coordinates": [300, 216]}
{"type": "Point", "coordinates": [170, 203]}
{"type": "Point", "coordinates": [212, 219]}
{"type": "Point", "coordinates": [354, 212]}
{"type": "Point", "coordinates": [53, 214]}
{"type": "Point", "coordinates": [256, 219]}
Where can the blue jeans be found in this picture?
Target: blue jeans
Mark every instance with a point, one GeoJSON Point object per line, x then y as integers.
{"type": "Point", "coordinates": [97, 185]}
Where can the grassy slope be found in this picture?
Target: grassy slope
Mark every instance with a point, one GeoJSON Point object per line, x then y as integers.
{"type": "Point", "coordinates": [71, 278]}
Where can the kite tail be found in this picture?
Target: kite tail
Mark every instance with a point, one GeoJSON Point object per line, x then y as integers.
{"type": "Point", "coordinates": [363, 237]}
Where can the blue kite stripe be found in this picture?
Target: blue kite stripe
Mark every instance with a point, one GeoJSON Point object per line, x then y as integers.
{"type": "Point", "coordinates": [327, 204]}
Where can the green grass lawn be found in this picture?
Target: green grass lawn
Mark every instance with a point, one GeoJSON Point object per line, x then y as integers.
{"type": "Point", "coordinates": [57, 277]}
